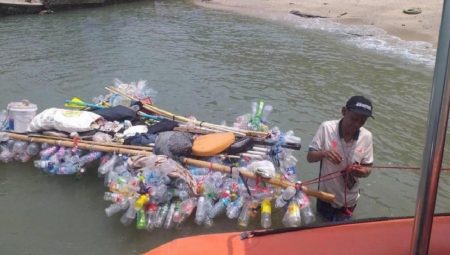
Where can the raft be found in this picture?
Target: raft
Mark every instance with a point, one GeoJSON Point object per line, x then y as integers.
{"type": "Point", "coordinates": [369, 237]}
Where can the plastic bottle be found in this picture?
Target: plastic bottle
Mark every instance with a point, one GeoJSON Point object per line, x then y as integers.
{"type": "Point", "coordinates": [42, 163]}
{"type": "Point", "coordinates": [161, 216]}
{"type": "Point", "coordinates": [265, 114]}
{"type": "Point", "coordinates": [33, 149]}
{"type": "Point", "coordinates": [234, 208]}
{"type": "Point", "coordinates": [115, 208]}
{"type": "Point", "coordinates": [168, 224]}
{"type": "Point", "coordinates": [208, 221]}
{"type": "Point", "coordinates": [128, 217]}
{"type": "Point", "coordinates": [219, 207]}
{"type": "Point", "coordinates": [6, 155]}
{"type": "Point", "coordinates": [186, 208]}
{"type": "Point", "coordinates": [201, 210]}
{"type": "Point", "coordinates": [67, 168]}
{"type": "Point", "coordinates": [141, 201]}
{"type": "Point", "coordinates": [90, 157]}
{"type": "Point", "coordinates": [305, 209]}
{"type": "Point", "coordinates": [158, 193]}
{"type": "Point", "coordinates": [141, 219]}
{"type": "Point", "coordinates": [152, 214]}
{"type": "Point", "coordinates": [292, 217]}
{"type": "Point", "coordinates": [266, 213]}
{"type": "Point", "coordinates": [284, 198]}
{"type": "Point", "coordinates": [244, 216]}
{"type": "Point", "coordinates": [289, 137]}
{"type": "Point", "coordinates": [108, 165]}
{"type": "Point", "coordinates": [199, 171]}
{"type": "Point", "coordinates": [114, 197]}
{"type": "Point", "coordinates": [46, 153]}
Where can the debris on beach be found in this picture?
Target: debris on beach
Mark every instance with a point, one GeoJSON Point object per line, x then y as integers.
{"type": "Point", "coordinates": [306, 15]}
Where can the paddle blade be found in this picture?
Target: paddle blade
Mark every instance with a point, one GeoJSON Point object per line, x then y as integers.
{"type": "Point", "coordinates": [75, 102]}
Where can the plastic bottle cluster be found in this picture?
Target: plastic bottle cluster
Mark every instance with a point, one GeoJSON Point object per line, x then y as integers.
{"type": "Point", "coordinates": [151, 199]}
{"type": "Point", "coordinates": [154, 200]}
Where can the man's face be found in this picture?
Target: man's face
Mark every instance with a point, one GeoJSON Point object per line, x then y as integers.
{"type": "Point", "coordinates": [352, 121]}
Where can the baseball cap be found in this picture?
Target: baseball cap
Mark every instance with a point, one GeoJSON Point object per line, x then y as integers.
{"type": "Point", "coordinates": [361, 105]}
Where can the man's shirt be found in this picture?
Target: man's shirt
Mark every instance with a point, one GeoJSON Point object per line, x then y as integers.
{"type": "Point", "coordinates": [358, 150]}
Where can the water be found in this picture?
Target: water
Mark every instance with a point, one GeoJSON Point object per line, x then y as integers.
{"type": "Point", "coordinates": [206, 63]}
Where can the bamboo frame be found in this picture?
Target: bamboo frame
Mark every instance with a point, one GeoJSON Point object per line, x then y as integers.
{"type": "Point", "coordinates": [214, 166]}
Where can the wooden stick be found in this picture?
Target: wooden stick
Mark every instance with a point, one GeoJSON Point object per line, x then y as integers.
{"type": "Point", "coordinates": [81, 144]}
{"type": "Point", "coordinates": [131, 147]}
{"type": "Point", "coordinates": [327, 197]}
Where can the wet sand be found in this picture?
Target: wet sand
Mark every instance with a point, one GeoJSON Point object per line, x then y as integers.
{"type": "Point", "coordinates": [385, 14]}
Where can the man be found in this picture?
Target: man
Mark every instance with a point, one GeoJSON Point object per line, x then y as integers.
{"type": "Point", "coordinates": [345, 151]}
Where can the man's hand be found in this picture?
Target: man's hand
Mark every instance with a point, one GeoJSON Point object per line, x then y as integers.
{"type": "Point", "coordinates": [358, 170]}
{"type": "Point", "coordinates": [332, 156]}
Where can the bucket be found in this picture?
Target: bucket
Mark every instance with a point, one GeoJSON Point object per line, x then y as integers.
{"type": "Point", "coordinates": [20, 115]}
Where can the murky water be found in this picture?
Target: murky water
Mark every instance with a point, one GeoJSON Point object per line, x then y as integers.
{"type": "Point", "coordinates": [206, 63]}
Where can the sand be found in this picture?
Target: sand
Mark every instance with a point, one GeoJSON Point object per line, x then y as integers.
{"type": "Point", "coordinates": [385, 14]}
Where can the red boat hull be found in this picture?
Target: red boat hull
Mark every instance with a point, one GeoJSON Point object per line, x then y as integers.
{"type": "Point", "coordinates": [379, 237]}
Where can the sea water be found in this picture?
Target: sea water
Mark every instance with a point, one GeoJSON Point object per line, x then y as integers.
{"type": "Point", "coordinates": [213, 65]}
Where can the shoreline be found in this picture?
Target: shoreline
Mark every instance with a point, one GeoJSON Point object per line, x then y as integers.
{"type": "Point", "coordinates": [385, 14]}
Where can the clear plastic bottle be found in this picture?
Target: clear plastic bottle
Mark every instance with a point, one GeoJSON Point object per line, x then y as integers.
{"type": "Point", "coordinates": [92, 156]}
{"type": "Point", "coordinates": [42, 163]}
{"type": "Point", "coordinates": [108, 165]}
{"type": "Point", "coordinates": [292, 217]}
{"type": "Point", "coordinates": [168, 224]}
{"type": "Point", "coordinates": [128, 217]}
{"type": "Point", "coordinates": [67, 168]}
{"type": "Point", "coordinates": [199, 171]}
{"type": "Point", "coordinates": [19, 147]}
{"type": "Point", "coordinates": [244, 216]}
{"type": "Point", "coordinates": [6, 155]}
{"type": "Point", "coordinates": [152, 214]}
{"type": "Point", "coordinates": [265, 114]}
{"type": "Point", "coordinates": [33, 149]}
{"type": "Point", "coordinates": [115, 208]}
{"type": "Point", "coordinates": [46, 153]}
{"type": "Point", "coordinates": [186, 208]}
{"type": "Point", "coordinates": [284, 198]}
{"type": "Point", "coordinates": [219, 207]}
{"type": "Point", "coordinates": [200, 215]}
{"type": "Point", "coordinates": [234, 208]}
{"type": "Point", "coordinates": [305, 209]}
{"type": "Point", "coordinates": [114, 197]}
{"type": "Point", "coordinates": [162, 213]}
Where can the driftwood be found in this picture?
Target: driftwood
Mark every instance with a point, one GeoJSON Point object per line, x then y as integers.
{"type": "Point", "coordinates": [305, 15]}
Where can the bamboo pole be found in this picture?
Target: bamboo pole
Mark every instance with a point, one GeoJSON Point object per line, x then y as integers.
{"type": "Point", "coordinates": [131, 147]}
{"type": "Point", "coordinates": [327, 197]}
{"type": "Point", "coordinates": [82, 145]}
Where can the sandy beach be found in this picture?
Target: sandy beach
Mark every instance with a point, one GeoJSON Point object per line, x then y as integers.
{"type": "Point", "coordinates": [385, 14]}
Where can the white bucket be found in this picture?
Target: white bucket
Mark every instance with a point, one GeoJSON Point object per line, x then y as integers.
{"type": "Point", "coordinates": [20, 115]}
